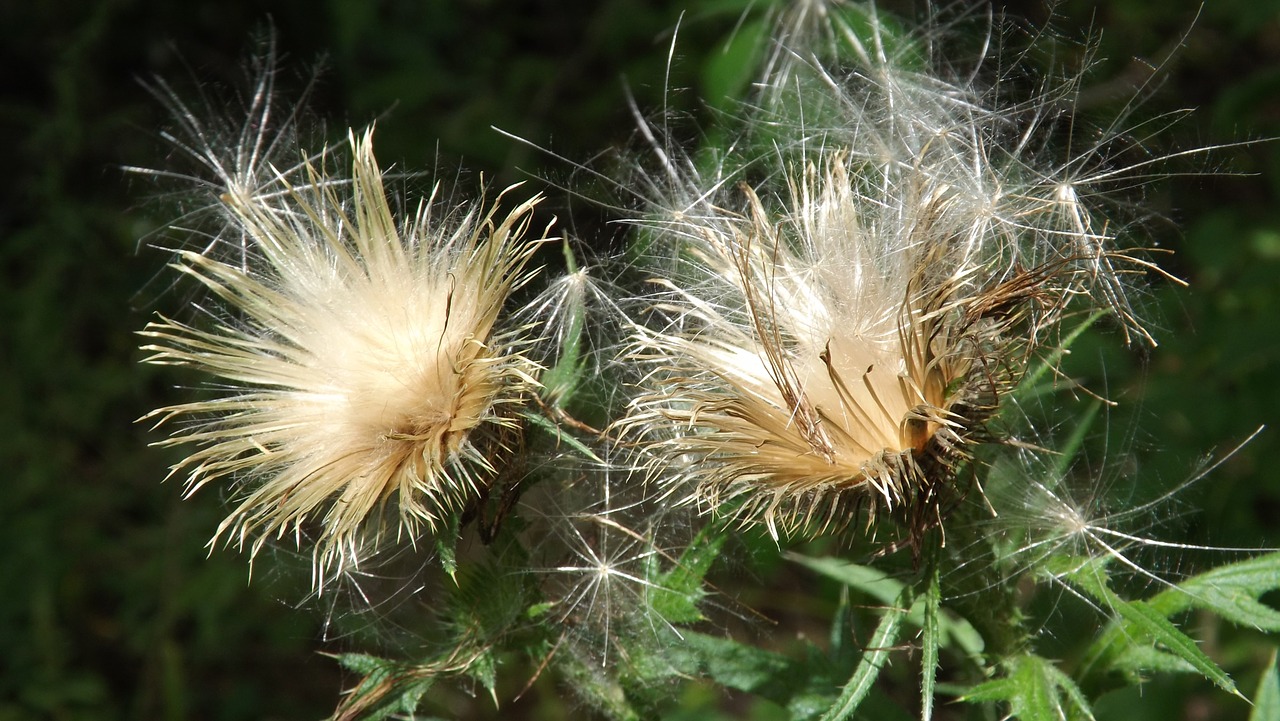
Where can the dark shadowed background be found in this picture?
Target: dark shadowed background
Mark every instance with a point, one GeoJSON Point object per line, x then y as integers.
{"type": "Point", "coordinates": [111, 606]}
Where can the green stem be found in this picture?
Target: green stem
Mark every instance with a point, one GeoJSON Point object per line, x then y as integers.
{"type": "Point", "coordinates": [978, 590]}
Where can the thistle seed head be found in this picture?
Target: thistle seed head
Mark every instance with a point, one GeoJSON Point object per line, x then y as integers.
{"type": "Point", "coordinates": [370, 386]}
{"type": "Point", "coordinates": [831, 336]}
{"type": "Point", "coordinates": [822, 366]}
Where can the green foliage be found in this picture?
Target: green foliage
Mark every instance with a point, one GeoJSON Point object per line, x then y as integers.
{"type": "Point", "coordinates": [730, 72]}
{"type": "Point", "coordinates": [1266, 702]}
{"type": "Point", "coordinates": [1232, 591]}
{"type": "Point", "coordinates": [950, 631]}
{"type": "Point", "coordinates": [386, 687]}
{"type": "Point", "coordinates": [677, 593]}
{"type": "Point", "coordinates": [1140, 629]}
{"type": "Point", "coordinates": [931, 640]}
{"type": "Point", "coordinates": [561, 381]}
{"type": "Point", "coordinates": [873, 660]}
{"type": "Point", "coordinates": [1034, 690]}
{"type": "Point", "coordinates": [1142, 640]}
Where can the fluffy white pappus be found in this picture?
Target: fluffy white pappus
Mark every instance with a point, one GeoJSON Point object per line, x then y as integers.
{"type": "Point", "coordinates": [613, 564]}
{"type": "Point", "coordinates": [831, 337]}
{"type": "Point", "coordinates": [582, 323]}
{"type": "Point", "coordinates": [1052, 520]}
{"type": "Point", "coordinates": [369, 385]}
{"type": "Point", "coordinates": [246, 145]}
{"type": "Point", "coordinates": [828, 352]}
{"type": "Point", "coordinates": [600, 584]}
{"type": "Point", "coordinates": [954, 106]}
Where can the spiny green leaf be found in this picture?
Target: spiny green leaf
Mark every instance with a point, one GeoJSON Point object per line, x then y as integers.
{"type": "Point", "coordinates": [362, 663]}
{"type": "Point", "coordinates": [1072, 693]}
{"type": "Point", "coordinates": [873, 659]}
{"type": "Point", "coordinates": [1035, 698]}
{"type": "Point", "coordinates": [1231, 591]}
{"type": "Point", "coordinates": [1266, 702]}
{"type": "Point", "coordinates": [484, 669]}
{"type": "Point", "coordinates": [740, 666]}
{"type": "Point", "coordinates": [560, 382]}
{"type": "Point", "coordinates": [1155, 626]}
{"type": "Point", "coordinates": [680, 589]}
{"type": "Point", "coordinates": [387, 687]}
{"type": "Point", "coordinates": [486, 604]}
{"type": "Point", "coordinates": [561, 435]}
{"type": "Point", "coordinates": [731, 67]}
{"type": "Point", "coordinates": [1140, 623]}
{"type": "Point", "coordinates": [1035, 690]}
{"type": "Point", "coordinates": [997, 689]}
{"type": "Point", "coordinates": [1138, 660]}
{"type": "Point", "coordinates": [731, 664]}
{"type": "Point", "coordinates": [803, 686]}
{"type": "Point", "coordinates": [596, 687]}
{"type": "Point", "coordinates": [1086, 573]}
{"type": "Point", "coordinates": [930, 639]}
{"type": "Point", "coordinates": [885, 589]}
{"type": "Point", "coordinates": [447, 546]}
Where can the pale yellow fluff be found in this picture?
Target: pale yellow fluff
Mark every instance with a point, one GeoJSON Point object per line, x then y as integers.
{"type": "Point", "coordinates": [366, 367]}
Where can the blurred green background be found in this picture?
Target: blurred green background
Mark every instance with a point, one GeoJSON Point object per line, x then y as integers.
{"type": "Point", "coordinates": [109, 607]}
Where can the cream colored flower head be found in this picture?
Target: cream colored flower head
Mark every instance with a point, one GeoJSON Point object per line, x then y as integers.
{"type": "Point", "coordinates": [368, 388]}
{"type": "Point", "coordinates": [830, 336]}
{"type": "Point", "coordinates": [826, 362]}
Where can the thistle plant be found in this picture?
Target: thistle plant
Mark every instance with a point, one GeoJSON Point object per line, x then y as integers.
{"type": "Point", "coordinates": [836, 342]}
